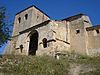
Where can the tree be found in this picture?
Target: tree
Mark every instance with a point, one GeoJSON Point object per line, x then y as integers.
{"type": "Point", "coordinates": [4, 29]}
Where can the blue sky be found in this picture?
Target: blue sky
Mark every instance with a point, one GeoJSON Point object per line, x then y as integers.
{"type": "Point", "coordinates": [56, 9]}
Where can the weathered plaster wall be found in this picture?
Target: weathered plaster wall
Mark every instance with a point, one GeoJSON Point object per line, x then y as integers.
{"type": "Point", "coordinates": [93, 42]}
{"type": "Point", "coordinates": [45, 32]}
{"type": "Point", "coordinates": [22, 40]}
{"type": "Point", "coordinates": [56, 32]}
{"type": "Point", "coordinates": [77, 36]}
{"type": "Point", "coordinates": [60, 29]}
{"type": "Point", "coordinates": [37, 17]}
{"type": "Point", "coordinates": [93, 39]}
{"type": "Point", "coordinates": [34, 17]}
{"type": "Point", "coordinates": [69, 34]}
{"type": "Point", "coordinates": [86, 21]}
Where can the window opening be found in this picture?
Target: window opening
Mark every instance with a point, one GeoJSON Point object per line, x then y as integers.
{"type": "Point", "coordinates": [19, 19]}
{"type": "Point", "coordinates": [86, 21]}
{"type": "Point", "coordinates": [21, 48]}
{"type": "Point", "coordinates": [26, 16]}
{"type": "Point", "coordinates": [44, 42]}
{"type": "Point", "coordinates": [97, 31]}
{"type": "Point", "coordinates": [77, 31]}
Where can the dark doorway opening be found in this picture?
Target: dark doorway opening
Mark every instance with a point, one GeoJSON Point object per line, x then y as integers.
{"type": "Point", "coordinates": [33, 46]}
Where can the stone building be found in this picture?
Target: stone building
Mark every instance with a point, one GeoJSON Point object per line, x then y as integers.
{"type": "Point", "coordinates": [34, 33]}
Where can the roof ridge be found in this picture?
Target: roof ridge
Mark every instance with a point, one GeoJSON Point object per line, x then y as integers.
{"type": "Point", "coordinates": [35, 7]}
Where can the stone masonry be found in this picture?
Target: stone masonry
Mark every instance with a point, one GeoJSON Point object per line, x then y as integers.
{"type": "Point", "coordinates": [35, 34]}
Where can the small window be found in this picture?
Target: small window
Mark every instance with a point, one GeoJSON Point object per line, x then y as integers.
{"type": "Point", "coordinates": [44, 42]}
{"type": "Point", "coordinates": [21, 48]}
{"type": "Point", "coordinates": [37, 17]}
{"type": "Point", "coordinates": [77, 31]}
{"type": "Point", "coordinates": [26, 16]}
{"type": "Point", "coordinates": [19, 19]}
{"type": "Point", "coordinates": [97, 31]}
{"type": "Point", "coordinates": [86, 21]}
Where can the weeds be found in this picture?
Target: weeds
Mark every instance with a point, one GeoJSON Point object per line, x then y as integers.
{"type": "Point", "coordinates": [45, 65]}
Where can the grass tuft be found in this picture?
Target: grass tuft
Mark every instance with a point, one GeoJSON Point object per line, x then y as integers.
{"type": "Point", "coordinates": [45, 65]}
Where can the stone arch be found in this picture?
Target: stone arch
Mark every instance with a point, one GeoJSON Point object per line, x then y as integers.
{"type": "Point", "coordinates": [33, 44]}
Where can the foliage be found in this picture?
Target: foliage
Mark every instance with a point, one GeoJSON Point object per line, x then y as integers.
{"type": "Point", "coordinates": [4, 29]}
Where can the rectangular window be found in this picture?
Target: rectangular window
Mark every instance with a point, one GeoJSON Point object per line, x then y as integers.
{"type": "Point", "coordinates": [97, 31]}
{"type": "Point", "coordinates": [77, 31]}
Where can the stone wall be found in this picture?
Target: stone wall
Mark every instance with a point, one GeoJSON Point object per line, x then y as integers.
{"type": "Point", "coordinates": [44, 32]}
{"type": "Point", "coordinates": [47, 33]}
{"type": "Point", "coordinates": [25, 20]}
{"type": "Point", "coordinates": [61, 36]}
{"type": "Point", "coordinates": [34, 17]}
{"type": "Point", "coordinates": [71, 34]}
{"type": "Point", "coordinates": [77, 36]}
{"type": "Point", "coordinates": [93, 41]}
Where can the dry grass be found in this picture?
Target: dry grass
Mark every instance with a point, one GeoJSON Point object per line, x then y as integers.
{"type": "Point", "coordinates": [45, 65]}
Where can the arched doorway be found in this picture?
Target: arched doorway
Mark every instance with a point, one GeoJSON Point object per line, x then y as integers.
{"type": "Point", "coordinates": [33, 45]}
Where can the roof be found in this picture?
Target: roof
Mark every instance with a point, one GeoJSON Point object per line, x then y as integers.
{"type": "Point", "coordinates": [36, 8]}
{"type": "Point", "coordinates": [93, 28]}
{"type": "Point", "coordinates": [74, 17]}
{"type": "Point", "coordinates": [67, 19]}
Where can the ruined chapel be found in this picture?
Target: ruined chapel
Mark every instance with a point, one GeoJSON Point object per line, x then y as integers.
{"type": "Point", "coordinates": [34, 33]}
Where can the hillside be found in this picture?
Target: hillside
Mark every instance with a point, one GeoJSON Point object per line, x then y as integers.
{"type": "Point", "coordinates": [45, 65]}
